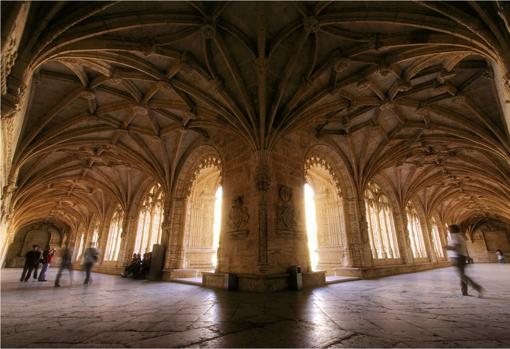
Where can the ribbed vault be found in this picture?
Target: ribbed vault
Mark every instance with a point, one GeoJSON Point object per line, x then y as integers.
{"type": "Point", "coordinates": [122, 92]}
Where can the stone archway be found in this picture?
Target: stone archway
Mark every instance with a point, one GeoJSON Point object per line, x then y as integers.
{"type": "Point", "coordinates": [192, 244]}
{"type": "Point", "coordinates": [200, 240]}
{"type": "Point", "coordinates": [328, 246]}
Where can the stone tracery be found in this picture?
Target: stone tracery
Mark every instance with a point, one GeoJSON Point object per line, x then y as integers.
{"type": "Point", "coordinates": [381, 226]}
{"type": "Point", "coordinates": [149, 220]}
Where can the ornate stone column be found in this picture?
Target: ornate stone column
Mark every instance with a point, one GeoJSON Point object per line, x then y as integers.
{"type": "Point", "coordinates": [6, 235]}
{"type": "Point", "coordinates": [358, 244]}
{"type": "Point", "coordinates": [128, 235]}
{"type": "Point", "coordinates": [262, 187]}
{"type": "Point", "coordinates": [263, 222]}
{"type": "Point", "coordinates": [427, 237]}
{"type": "Point", "coordinates": [173, 231]}
{"type": "Point", "coordinates": [406, 253]}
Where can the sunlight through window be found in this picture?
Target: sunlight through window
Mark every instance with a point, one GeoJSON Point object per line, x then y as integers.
{"type": "Point", "coordinates": [311, 226]}
{"type": "Point", "coordinates": [217, 225]}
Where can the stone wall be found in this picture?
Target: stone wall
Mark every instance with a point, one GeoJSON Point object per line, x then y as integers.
{"type": "Point", "coordinates": [483, 242]}
{"type": "Point", "coordinates": [40, 234]}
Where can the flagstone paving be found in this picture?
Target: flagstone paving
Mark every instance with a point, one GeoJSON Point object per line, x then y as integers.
{"type": "Point", "coordinates": [413, 310]}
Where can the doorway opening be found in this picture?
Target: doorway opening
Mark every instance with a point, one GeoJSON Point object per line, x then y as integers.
{"type": "Point", "coordinates": [203, 222]}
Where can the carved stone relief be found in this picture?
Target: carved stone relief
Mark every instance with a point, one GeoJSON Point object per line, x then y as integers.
{"type": "Point", "coordinates": [8, 59]}
{"type": "Point", "coordinates": [286, 213]}
{"type": "Point", "coordinates": [238, 218]}
{"type": "Point", "coordinates": [262, 177]}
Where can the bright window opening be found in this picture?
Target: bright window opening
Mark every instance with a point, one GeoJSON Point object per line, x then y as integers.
{"type": "Point", "coordinates": [114, 236]}
{"type": "Point", "coordinates": [381, 228]}
{"type": "Point", "coordinates": [149, 220]}
{"type": "Point", "coordinates": [217, 225]}
{"type": "Point", "coordinates": [203, 220]}
{"type": "Point", "coordinates": [95, 235]}
{"type": "Point", "coordinates": [436, 237]}
{"type": "Point", "coordinates": [325, 217]}
{"type": "Point", "coordinates": [415, 233]}
{"type": "Point", "coordinates": [311, 226]}
{"type": "Point", "coordinates": [80, 246]}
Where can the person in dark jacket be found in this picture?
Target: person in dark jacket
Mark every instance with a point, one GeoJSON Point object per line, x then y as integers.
{"type": "Point", "coordinates": [32, 259]}
{"type": "Point", "coordinates": [47, 256]}
{"type": "Point", "coordinates": [90, 257]}
{"type": "Point", "coordinates": [67, 256]}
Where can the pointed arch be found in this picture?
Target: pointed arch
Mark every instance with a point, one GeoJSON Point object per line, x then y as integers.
{"type": "Point", "coordinates": [114, 235]}
{"type": "Point", "coordinates": [381, 225]}
{"type": "Point", "coordinates": [150, 218]}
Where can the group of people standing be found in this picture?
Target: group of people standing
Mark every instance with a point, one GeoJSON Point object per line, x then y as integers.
{"type": "Point", "coordinates": [34, 258]}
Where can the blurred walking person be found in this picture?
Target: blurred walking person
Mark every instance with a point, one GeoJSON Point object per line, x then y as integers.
{"type": "Point", "coordinates": [32, 259]}
{"type": "Point", "coordinates": [67, 256]}
{"type": "Point", "coordinates": [501, 256]}
{"type": "Point", "coordinates": [457, 252]}
{"type": "Point", "coordinates": [90, 258]}
{"type": "Point", "coordinates": [47, 256]}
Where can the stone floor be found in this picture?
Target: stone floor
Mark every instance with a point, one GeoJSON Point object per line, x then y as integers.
{"type": "Point", "coordinates": [413, 310]}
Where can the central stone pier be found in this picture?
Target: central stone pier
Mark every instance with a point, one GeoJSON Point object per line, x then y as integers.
{"type": "Point", "coordinates": [263, 220]}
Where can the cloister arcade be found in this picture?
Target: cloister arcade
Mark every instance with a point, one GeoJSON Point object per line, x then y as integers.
{"type": "Point", "coordinates": [207, 129]}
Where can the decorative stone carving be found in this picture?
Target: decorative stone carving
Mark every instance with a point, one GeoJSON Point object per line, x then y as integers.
{"type": "Point", "coordinates": [285, 213]}
{"type": "Point", "coordinates": [8, 59]}
{"type": "Point", "coordinates": [209, 30]}
{"type": "Point", "coordinates": [208, 162]}
{"type": "Point", "coordinates": [342, 64]}
{"type": "Point", "coordinates": [316, 161]}
{"type": "Point", "coordinates": [506, 79]}
{"type": "Point", "coordinates": [312, 25]}
{"type": "Point", "coordinates": [11, 102]}
{"type": "Point", "coordinates": [238, 218]}
{"type": "Point", "coordinates": [263, 230]}
{"type": "Point", "coordinates": [262, 177]}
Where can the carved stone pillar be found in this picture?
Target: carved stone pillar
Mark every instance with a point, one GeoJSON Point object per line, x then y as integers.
{"type": "Point", "coordinates": [263, 229]}
{"type": "Point", "coordinates": [357, 249]}
{"type": "Point", "coordinates": [6, 237]}
{"type": "Point", "coordinates": [173, 230]}
{"type": "Point", "coordinates": [358, 240]}
{"type": "Point", "coordinates": [443, 234]}
{"type": "Point", "coordinates": [428, 239]}
{"type": "Point", "coordinates": [127, 235]}
{"type": "Point", "coordinates": [262, 186]}
{"type": "Point", "coordinates": [406, 253]}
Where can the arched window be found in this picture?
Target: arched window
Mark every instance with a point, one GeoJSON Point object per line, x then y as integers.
{"type": "Point", "coordinates": [149, 220]}
{"type": "Point", "coordinates": [113, 243]}
{"type": "Point", "coordinates": [436, 238]}
{"type": "Point", "coordinates": [95, 234]}
{"type": "Point", "coordinates": [381, 227]}
{"type": "Point", "coordinates": [415, 233]}
{"type": "Point", "coordinates": [80, 243]}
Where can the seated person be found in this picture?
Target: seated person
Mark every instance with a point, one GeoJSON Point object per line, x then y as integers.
{"type": "Point", "coordinates": [146, 264]}
{"type": "Point", "coordinates": [133, 268]}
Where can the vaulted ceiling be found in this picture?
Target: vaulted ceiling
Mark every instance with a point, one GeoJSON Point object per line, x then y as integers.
{"type": "Point", "coordinates": [121, 91]}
